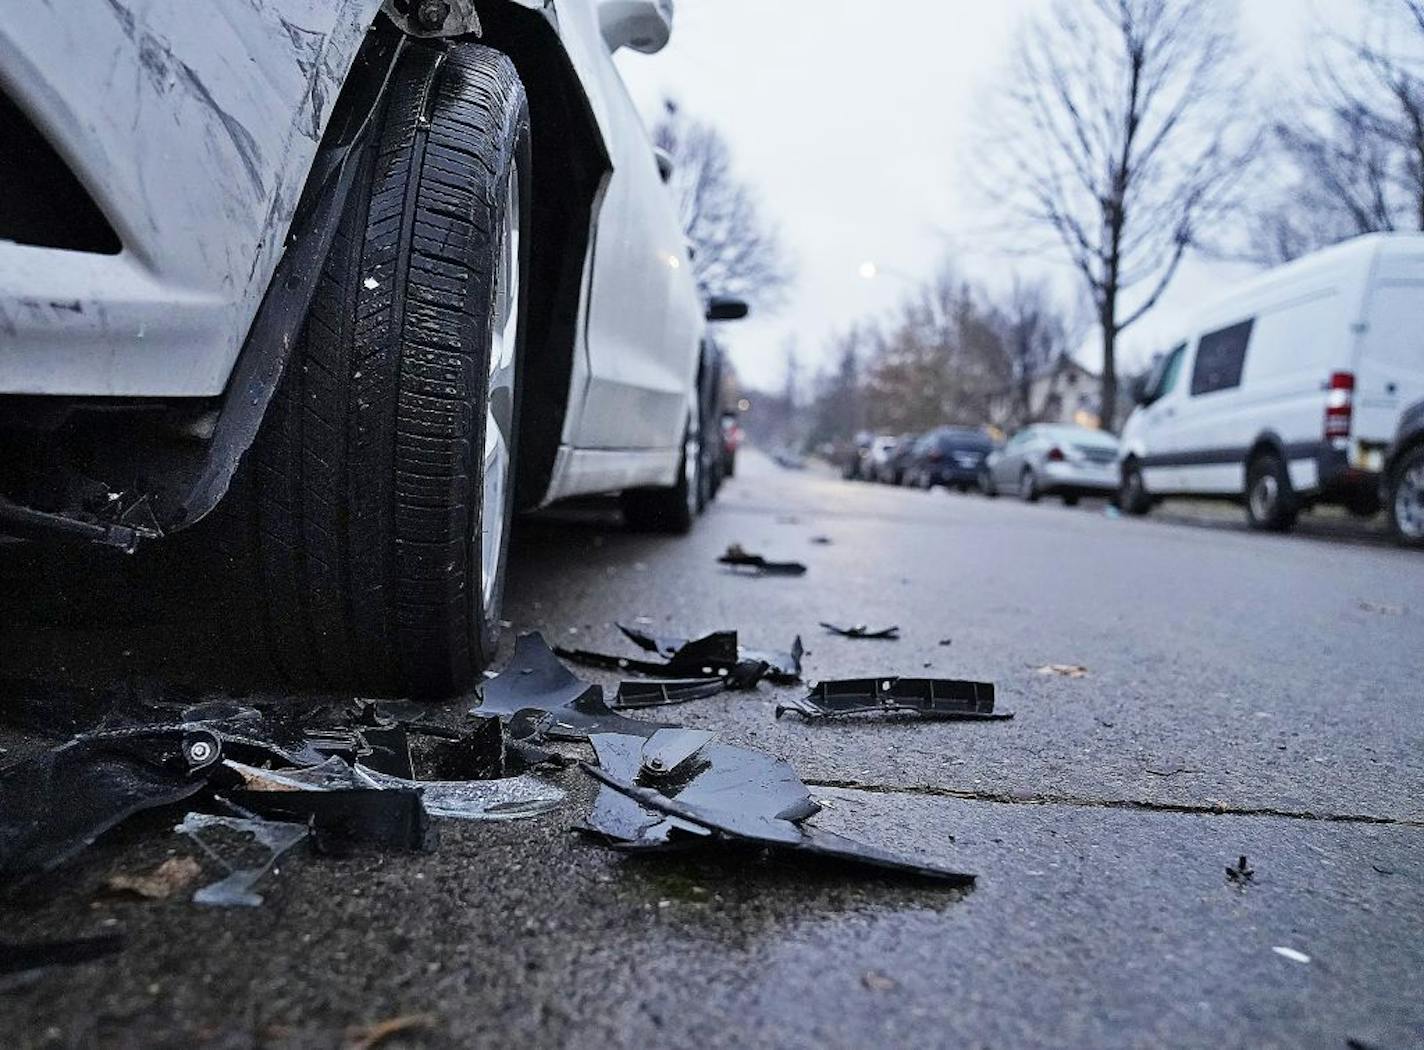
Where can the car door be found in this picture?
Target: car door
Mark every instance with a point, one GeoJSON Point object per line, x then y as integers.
{"type": "Point", "coordinates": [644, 317]}
{"type": "Point", "coordinates": [1161, 472]}
{"type": "Point", "coordinates": [1010, 464]}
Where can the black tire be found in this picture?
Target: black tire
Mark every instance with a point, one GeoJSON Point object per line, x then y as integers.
{"type": "Point", "coordinates": [366, 485]}
{"type": "Point", "coordinates": [1405, 495]}
{"type": "Point", "coordinates": [729, 466]}
{"type": "Point", "coordinates": [1270, 502]}
{"type": "Point", "coordinates": [1028, 487]}
{"type": "Point", "coordinates": [987, 486]}
{"type": "Point", "coordinates": [1070, 501]}
{"type": "Point", "coordinates": [1132, 493]}
{"type": "Point", "coordinates": [673, 508]}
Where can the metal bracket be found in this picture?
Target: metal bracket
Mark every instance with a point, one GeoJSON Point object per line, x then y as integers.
{"type": "Point", "coordinates": [430, 19]}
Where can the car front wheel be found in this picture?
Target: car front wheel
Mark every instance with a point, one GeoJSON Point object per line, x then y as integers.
{"type": "Point", "coordinates": [380, 488]}
{"type": "Point", "coordinates": [672, 508]}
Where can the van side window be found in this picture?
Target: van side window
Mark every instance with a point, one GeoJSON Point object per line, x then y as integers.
{"type": "Point", "coordinates": [1221, 355]}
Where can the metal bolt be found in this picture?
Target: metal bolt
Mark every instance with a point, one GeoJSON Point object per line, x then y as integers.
{"type": "Point", "coordinates": [430, 15]}
{"type": "Point", "coordinates": [200, 751]}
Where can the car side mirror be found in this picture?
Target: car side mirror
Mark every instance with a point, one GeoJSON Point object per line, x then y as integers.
{"type": "Point", "coordinates": [726, 308]}
{"type": "Point", "coordinates": [643, 25]}
{"type": "Point", "coordinates": [665, 165]}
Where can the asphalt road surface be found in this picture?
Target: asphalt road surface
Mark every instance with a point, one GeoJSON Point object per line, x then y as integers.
{"type": "Point", "coordinates": [1244, 694]}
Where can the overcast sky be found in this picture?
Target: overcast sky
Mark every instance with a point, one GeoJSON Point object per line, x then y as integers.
{"type": "Point", "coordinates": [853, 118]}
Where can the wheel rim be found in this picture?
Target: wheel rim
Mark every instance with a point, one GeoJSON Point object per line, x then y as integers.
{"type": "Point", "coordinates": [1263, 497]}
{"type": "Point", "coordinates": [1409, 502]}
{"type": "Point", "coordinates": [499, 411]}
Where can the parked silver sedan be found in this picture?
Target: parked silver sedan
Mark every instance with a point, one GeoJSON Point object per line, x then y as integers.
{"type": "Point", "coordinates": [1053, 459]}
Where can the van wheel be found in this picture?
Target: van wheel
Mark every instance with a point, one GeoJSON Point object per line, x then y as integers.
{"type": "Point", "coordinates": [672, 508]}
{"type": "Point", "coordinates": [1132, 493]}
{"type": "Point", "coordinates": [378, 496]}
{"type": "Point", "coordinates": [1270, 503]}
{"type": "Point", "coordinates": [1406, 498]}
{"type": "Point", "coordinates": [1028, 487]}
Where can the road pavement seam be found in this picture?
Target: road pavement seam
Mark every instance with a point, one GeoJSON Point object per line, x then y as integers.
{"type": "Point", "coordinates": [1195, 809]}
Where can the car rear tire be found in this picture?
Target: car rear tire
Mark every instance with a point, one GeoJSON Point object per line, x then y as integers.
{"type": "Point", "coordinates": [1028, 487]}
{"type": "Point", "coordinates": [1070, 501]}
{"type": "Point", "coordinates": [1406, 498]}
{"type": "Point", "coordinates": [1132, 494]}
{"type": "Point", "coordinates": [379, 493]}
{"type": "Point", "coordinates": [1270, 502]}
{"type": "Point", "coordinates": [673, 508]}
{"type": "Point", "coordinates": [987, 486]}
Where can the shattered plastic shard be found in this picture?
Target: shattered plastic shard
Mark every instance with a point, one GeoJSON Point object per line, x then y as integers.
{"type": "Point", "coordinates": [536, 679]}
{"type": "Point", "coordinates": [343, 819]}
{"type": "Point", "coordinates": [718, 821]}
{"type": "Point", "coordinates": [269, 840]}
{"type": "Point", "coordinates": [860, 630]}
{"type": "Point", "coordinates": [939, 699]}
{"type": "Point", "coordinates": [737, 558]}
{"type": "Point", "coordinates": [508, 798]}
{"type": "Point", "coordinates": [694, 766]}
{"type": "Point", "coordinates": [718, 653]}
{"type": "Point", "coordinates": [637, 694]}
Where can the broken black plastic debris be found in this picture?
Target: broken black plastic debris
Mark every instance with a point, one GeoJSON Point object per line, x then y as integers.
{"type": "Point", "coordinates": [717, 654]}
{"type": "Point", "coordinates": [55, 804]}
{"type": "Point", "coordinates": [536, 679]}
{"type": "Point", "coordinates": [938, 699]}
{"type": "Point", "coordinates": [737, 558]}
{"type": "Point", "coordinates": [342, 820]}
{"type": "Point", "coordinates": [694, 824]}
{"type": "Point", "coordinates": [635, 694]}
{"type": "Point", "coordinates": [860, 630]}
{"type": "Point", "coordinates": [697, 768]}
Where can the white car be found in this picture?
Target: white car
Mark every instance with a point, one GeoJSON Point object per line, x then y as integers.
{"type": "Point", "coordinates": [386, 271]}
{"type": "Point", "coordinates": [1050, 459]}
{"type": "Point", "coordinates": [1291, 391]}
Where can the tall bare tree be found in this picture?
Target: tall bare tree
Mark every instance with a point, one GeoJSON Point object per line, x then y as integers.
{"type": "Point", "coordinates": [1034, 336]}
{"type": "Point", "coordinates": [1117, 139]}
{"type": "Point", "coordinates": [1357, 144]}
{"type": "Point", "coordinates": [736, 250]}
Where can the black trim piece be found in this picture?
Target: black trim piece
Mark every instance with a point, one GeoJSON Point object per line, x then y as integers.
{"type": "Point", "coordinates": [1318, 450]}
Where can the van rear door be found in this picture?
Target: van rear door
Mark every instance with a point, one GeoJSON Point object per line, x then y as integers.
{"type": "Point", "coordinates": [1389, 374]}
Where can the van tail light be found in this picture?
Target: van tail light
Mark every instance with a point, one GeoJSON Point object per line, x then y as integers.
{"type": "Point", "coordinates": [1055, 455]}
{"type": "Point", "coordinates": [1339, 405]}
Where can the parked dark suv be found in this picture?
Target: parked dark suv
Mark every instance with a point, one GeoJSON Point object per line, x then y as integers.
{"type": "Point", "coordinates": [949, 456]}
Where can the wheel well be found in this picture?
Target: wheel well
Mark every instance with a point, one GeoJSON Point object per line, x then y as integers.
{"type": "Point", "coordinates": [1266, 443]}
{"type": "Point", "coordinates": [570, 165]}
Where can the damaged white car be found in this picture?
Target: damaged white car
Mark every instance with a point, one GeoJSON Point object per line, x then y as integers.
{"type": "Point", "coordinates": [372, 276]}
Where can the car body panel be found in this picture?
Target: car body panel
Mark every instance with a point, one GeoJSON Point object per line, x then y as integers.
{"type": "Point", "coordinates": [193, 128]}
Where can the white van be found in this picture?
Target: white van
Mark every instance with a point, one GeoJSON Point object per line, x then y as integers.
{"type": "Point", "coordinates": [1289, 391]}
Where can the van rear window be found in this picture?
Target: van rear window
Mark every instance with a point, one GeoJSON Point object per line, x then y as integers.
{"type": "Point", "coordinates": [1221, 355]}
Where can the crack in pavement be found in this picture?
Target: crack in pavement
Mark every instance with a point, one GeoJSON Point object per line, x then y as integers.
{"type": "Point", "coordinates": [1219, 809]}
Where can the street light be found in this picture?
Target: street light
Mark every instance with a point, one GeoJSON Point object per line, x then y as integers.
{"type": "Point", "coordinates": [871, 271]}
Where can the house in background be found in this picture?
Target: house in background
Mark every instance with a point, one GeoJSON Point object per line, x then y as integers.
{"type": "Point", "coordinates": [1062, 391]}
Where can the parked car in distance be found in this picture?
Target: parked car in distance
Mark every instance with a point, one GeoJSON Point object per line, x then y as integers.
{"type": "Point", "coordinates": [1290, 391]}
{"type": "Point", "coordinates": [853, 462]}
{"type": "Point", "coordinates": [877, 458]}
{"type": "Point", "coordinates": [1053, 459]}
{"type": "Point", "coordinates": [897, 462]}
{"type": "Point", "coordinates": [949, 456]}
